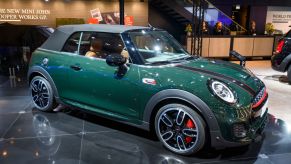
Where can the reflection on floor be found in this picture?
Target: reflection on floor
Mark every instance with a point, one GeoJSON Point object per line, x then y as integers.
{"type": "Point", "coordinates": [69, 137]}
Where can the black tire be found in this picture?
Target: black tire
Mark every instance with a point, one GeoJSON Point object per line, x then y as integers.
{"type": "Point", "coordinates": [174, 137]}
{"type": "Point", "coordinates": [42, 94]}
{"type": "Point", "coordinates": [289, 74]}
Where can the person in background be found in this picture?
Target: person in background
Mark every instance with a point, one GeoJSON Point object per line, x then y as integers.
{"type": "Point", "coordinates": [233, 26]}
{"type": "Point", "coordinates": [252, 30]}
{"type": "Point", "coordinates": [205, 29]}
{"type": "Point", "coordinates": [218, 29]}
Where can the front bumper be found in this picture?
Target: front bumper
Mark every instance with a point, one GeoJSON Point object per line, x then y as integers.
{"type": "Point", "coordinates": [244, 128]}
{"type": "Point", "coordinates": [253, 134]}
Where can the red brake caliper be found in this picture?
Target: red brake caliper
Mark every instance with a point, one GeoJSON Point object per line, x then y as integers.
{"type": "Point", "coordinates": [189, 125]}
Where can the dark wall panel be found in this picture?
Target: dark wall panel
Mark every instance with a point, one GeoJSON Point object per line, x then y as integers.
{"type": "Point", "coordinates": [259, 14]}
{"type": "Point", "coordinates": [160, 20]}
{"type": "Point", "coordinates": [226, 9]}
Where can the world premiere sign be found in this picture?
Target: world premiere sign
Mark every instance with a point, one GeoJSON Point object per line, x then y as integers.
{"type": "Point", "coordinates": [280, 17]}
{"type": "Point", "coordinates": [18, 15]}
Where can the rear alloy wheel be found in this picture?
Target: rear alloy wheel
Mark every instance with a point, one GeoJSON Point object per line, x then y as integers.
{"type": "Point", "coordinates": [42, 94]}
{"type": "Point", "coordinates": [180, 129]}
{"type": "Point", "coordinates": [289, 74]}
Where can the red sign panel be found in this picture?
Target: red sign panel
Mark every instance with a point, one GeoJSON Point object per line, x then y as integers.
{"type": "Point", "coordinates": [128, 20]}
{"type": "Point", "coordinates": [93, 21]}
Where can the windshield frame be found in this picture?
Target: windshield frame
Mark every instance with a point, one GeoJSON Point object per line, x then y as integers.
{"type": "Point", "coordinates": [138, 57]}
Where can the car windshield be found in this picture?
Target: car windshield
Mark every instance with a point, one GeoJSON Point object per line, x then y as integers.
{"type": "Point", "coordinates": [158, 47]}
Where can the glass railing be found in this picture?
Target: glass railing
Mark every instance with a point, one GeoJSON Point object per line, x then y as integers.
{"type": "Point", "coordinates": [212, 15]}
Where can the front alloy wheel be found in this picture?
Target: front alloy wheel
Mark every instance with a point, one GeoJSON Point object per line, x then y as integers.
{"type": "Point", "coordinates": [42, 94]}
{"type": "Point", "coordinates": [180, 129]}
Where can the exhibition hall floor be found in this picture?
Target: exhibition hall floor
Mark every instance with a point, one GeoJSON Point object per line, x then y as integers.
{"type": "Point", "coordinates": [70, 136]}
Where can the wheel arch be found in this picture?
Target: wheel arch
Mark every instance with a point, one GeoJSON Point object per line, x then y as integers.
{"type": "Point", "coordinates": [33, 74]}
{"type": "Point", "coordinates": [183, 97]}
{"type": "Point", "coordinates": [38, 70]}
{"type": "Point", "coordinates": [286, 63]}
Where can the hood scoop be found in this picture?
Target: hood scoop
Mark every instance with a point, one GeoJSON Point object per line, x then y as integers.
{"type": "Point", "coordinates": [238, 56]}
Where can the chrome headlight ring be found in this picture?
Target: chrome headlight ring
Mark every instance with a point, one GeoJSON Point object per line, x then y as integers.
{"type": "Point", "coordinates": [222, 91]}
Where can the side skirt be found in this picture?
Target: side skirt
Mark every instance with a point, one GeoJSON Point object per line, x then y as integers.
{"type": "Point", "coordinates": [105, 114]}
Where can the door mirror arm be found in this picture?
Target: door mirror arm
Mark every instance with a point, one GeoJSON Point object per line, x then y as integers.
{"type": "Point", "coordinates": [117, 60]}
{"type": "Point", "coordinates": [121, 71]}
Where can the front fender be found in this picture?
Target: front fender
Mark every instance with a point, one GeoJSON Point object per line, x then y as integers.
{"type": "Point", "coordinates": [216, 137]}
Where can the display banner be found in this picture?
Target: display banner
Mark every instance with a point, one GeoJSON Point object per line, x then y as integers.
{"type": "Point", "coordinates": [280, 17]}
{"type": "Point", "coordinates": [49, 13]}
{"type": "Point", "coordinates": [17, 15]}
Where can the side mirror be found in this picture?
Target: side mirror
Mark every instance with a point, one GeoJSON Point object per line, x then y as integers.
{"type": "Point", "coordinates": [115, 60]}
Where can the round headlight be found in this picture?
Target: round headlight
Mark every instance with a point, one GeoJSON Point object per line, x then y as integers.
{"type": "Point", "coordinates": [222, 91]}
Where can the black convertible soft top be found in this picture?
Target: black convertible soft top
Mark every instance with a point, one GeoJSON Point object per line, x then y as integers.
{"type": "Point", "coordinates": [56, 41]}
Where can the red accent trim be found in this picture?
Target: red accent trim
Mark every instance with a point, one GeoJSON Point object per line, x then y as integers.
{"type": "Point", "coordinates": [149, 81]}
{"type": "Point", "coordinates": [261, 100]}
{"type": "Point", "coordinates": [190, 124]}
{"type": "Point", "coordinates": [188, 139]}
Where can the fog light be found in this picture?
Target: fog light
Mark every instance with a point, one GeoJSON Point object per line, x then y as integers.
{"type": "Point", "coordinates": [239, 130]}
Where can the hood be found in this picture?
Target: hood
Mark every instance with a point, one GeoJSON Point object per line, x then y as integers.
{"type": "Point", "coordinates": [225, 71]}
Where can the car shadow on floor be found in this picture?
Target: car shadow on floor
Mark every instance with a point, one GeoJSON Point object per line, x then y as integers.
{"type": "Point", "coordinates": [249, 153]}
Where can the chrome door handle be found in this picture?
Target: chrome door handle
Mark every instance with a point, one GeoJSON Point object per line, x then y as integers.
{"type": "Point", "coordinates": [75, 67]}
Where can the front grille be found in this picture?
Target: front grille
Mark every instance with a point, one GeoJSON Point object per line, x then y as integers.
{"type": "Point", "coordinates": [239, 130]}
{"type": "Point", "coordinates": [259, 96]}
{"type": "Point", "coordinates": [260, 99]}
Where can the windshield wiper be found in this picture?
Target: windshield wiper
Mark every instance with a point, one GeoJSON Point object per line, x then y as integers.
{"type": "Point", "coordinates": [177, 60]}
{"type": "Point", "coordinates": [190, 57]}
{"type": "Point", "coordinates": [163, 62]}
{"type": "Point", "coordinates": [187, 58]}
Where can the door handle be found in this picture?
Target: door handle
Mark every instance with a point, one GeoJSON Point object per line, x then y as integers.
{"type": "Point", "coordinates": [75, 67]}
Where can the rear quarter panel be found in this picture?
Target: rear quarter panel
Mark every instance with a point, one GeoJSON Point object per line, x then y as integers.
{"type": "Point", "coordinates": [57, 67]}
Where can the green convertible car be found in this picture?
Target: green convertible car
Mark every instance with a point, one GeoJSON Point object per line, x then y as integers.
{"type": "Point", "coordinates": [143, 77]}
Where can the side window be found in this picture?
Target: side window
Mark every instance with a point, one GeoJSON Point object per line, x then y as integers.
{"type": "Point", "coordinates": [99, 45]}
{"type": "Point", "coordinates": [72, 43]}
{"type": "Point", "coordinates": [85, 43]}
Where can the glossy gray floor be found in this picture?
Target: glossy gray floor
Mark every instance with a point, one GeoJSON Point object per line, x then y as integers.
{"type": "Point", "coordinates": [69, 137]}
